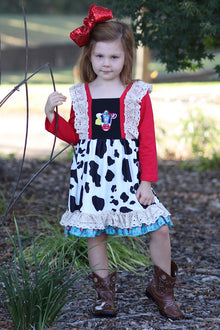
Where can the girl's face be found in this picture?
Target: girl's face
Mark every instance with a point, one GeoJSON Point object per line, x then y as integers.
{"type": "Point", "coordinates": [107, 59]}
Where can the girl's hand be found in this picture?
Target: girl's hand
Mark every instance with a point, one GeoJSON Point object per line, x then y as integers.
{"type": "Point", "coordinates": [53, 100]}
{"type": "Point", "coordinates": [144, 193]}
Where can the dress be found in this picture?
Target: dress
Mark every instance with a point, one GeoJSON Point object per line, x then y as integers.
{"type": "Point", "coordinates": [115, 149]}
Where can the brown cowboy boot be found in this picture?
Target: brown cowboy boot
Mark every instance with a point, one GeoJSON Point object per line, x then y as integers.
{"type": "Point", "coordinates": [105, 288]}
{"type": "Point", "coordinates": [161, 291]}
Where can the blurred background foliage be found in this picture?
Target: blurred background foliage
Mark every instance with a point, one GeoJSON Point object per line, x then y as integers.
{"type": "Point", "coordinates": [183, 33]}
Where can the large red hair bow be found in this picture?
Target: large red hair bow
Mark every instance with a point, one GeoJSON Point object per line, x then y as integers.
{"type": "Point", "coordinates": [97, 14]}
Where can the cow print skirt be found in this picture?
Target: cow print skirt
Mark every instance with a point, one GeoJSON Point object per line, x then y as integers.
{"type": "Point", "coordinates": [103, 183]}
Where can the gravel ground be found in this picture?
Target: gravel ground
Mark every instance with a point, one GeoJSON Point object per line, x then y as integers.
{"type": "Point", "coordinates": [194, 200]}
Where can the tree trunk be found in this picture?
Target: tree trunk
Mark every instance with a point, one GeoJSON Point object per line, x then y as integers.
{"type": "Point", "coordinates": [146, 61]}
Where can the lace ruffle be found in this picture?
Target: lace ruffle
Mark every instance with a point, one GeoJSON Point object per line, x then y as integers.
{"type": "Point", "coordinates": [80, 106]}
{"type": "Point", "coordinates": [120, 220]}
{"type": "Point", "coordinates": [132, 107]}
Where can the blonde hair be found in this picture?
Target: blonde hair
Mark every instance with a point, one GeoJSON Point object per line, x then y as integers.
{"type": "Point", "coordinates": [108, 31]}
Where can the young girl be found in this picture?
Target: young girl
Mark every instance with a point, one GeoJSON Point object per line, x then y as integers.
{"type": "Point", "coordinates": [111, 124]}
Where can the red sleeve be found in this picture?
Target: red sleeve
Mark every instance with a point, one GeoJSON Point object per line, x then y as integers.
{"type": "Point", "coordinates": [147, 146]}
{"type": "Point", "coordinates": [65, 129]}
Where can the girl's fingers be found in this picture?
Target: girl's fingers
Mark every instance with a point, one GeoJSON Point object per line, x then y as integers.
{"type": "Point", "coordinates": [56, 99]}
{"type": "Point", "coordinates": [145, 201]}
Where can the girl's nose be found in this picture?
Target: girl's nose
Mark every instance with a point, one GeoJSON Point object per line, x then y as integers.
{"type": "Point", "coordinates": [106, 61]}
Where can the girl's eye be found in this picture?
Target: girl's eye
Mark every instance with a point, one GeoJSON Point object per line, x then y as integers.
{"type": "Point", "coordinates": [99, 55]}
{"type": "Point", "coordinates": [114, 57]}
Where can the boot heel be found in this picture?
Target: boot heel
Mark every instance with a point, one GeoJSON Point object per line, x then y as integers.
{"type": "Point", "coordinates": [149, 295]}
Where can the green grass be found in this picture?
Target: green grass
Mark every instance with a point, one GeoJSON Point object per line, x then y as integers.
{"type": "Point", "coordinates": [61, 76]}
{"type": "Point", "coordinates": [34, 294]}
{"type": "Point", "coordinates": [42, 29]}
{"type": "Point", "coordinates": [128, 253]}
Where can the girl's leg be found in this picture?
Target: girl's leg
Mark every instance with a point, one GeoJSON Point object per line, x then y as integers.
{"type": "Point", "coordinates": [97, 254]}
{"type": "Point", "coordinates": [160, 249]}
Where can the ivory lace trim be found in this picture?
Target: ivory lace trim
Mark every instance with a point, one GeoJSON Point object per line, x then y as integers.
{"type": "Point", "coordinates": [80, 106]}
{"type": "Point", "coordinates": [110, 218]}
{"type": "Point", "coordinates": [132, 107]}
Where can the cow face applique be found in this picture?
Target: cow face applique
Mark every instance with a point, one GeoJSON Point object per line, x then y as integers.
{"type": "Point", "coordinates": [105, 119]}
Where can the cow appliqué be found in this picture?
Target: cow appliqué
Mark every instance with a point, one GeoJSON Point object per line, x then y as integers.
{"type": "Point", "coordinates": [105, 119]}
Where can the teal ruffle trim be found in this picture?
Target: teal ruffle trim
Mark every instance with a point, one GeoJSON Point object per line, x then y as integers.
{"type": "Point", "coordinates": [132, 232]}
